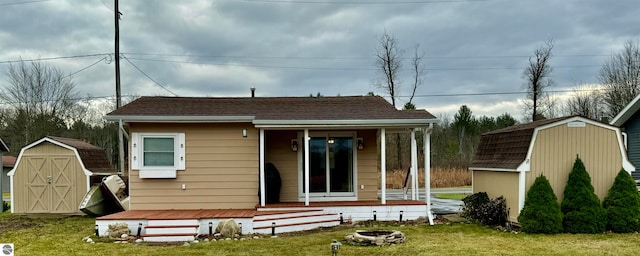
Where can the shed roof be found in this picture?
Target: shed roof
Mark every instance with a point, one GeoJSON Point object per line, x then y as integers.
{"type": "Point", "coordinates": [270, 108]}
{"type": "Point", "coordinates": [93, 158]}
{"type": "Point", "coordinates": [507, 148]}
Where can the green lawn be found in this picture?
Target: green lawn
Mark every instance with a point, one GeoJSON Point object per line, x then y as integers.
{"type": "Point", "coordinates": [46, 235]}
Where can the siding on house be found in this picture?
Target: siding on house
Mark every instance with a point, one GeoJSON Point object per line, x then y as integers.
{"type": "Point", "coordinates": [555, 150]}
{"type": "Point", "coordinates": [221, 169]}
{"type": "Point", "coordinates": [632, 128]}
{"type": "Point", "coordinates": [368, 174]}
{"type": "Point", "coordinates": [497, 184]}
{"type": "Point", "coordinates": [279, 153]}
{"type": "Point", "coordinates": [33, 194]}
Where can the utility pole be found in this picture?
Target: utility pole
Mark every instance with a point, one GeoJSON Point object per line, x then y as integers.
{"type": "Point", "coordinates": [116, 13]}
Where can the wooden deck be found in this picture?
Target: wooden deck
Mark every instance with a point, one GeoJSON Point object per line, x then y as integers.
{"type": "Point", "coordinates": [244, 213]}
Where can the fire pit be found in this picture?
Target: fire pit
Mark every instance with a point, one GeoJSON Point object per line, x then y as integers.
{"type": "Point", "coordinates": [375, 237]}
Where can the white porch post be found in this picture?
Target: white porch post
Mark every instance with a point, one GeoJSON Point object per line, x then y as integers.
{"type": "Point", "coordinates": [427, 170]}
{"type": "Point", "coordinates": [306, 166]}
{"type": "Point", "coordinates": [383, 166]}
{"type": "Point", "coordinates": [263, 202]}
{"type": "Point", "coordinates": [414, 162]}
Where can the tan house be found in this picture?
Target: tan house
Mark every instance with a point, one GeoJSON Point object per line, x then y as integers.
{"type": "Point", "coordinates": [53, 174]}
{"type": "Point", "coordinates": [211, 153]}
{"type": "Point", "coordinates": [508, 160]}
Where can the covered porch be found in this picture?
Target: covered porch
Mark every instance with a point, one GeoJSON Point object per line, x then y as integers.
{"type": "Point", "coordinates": [338, 165]}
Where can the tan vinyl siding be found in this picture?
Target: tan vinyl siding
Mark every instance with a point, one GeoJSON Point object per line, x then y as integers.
{"type": "Point", "coordinates": [497, 184]}
{"type": "Point", "coordinates": [555, 151]}
{"type": "Point", "coordinates": [221, 169]}
{"type": "Point", "coordinates": [42, 197]}
{"type": "Point", "coordinates": [279, 153]}
{"type": "Point", "coordinates": [368, 166]}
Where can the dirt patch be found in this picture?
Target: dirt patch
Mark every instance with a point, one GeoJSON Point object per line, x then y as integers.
{"type": "Point", "coordinates": [19, 222]}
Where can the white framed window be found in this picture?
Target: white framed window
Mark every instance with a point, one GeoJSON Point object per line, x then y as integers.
{"type": "Point", "coordinates": [157, 155]}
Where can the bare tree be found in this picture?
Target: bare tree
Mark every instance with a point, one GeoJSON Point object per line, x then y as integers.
{"type": "Point", "coordinates": [39, 89]}
{"type": "Point", "coordinates": [537, 75]}
{"type": "Point", "coordinates": [389, 63]}
{"type": "Point", "coordinates": [418, 70]}
{"type": "Point", "coordinates": [621, 78]}
{"type": "Point", "coordinates": [586, 101]}
{"type": "Point", "coordinates": [42, 99]}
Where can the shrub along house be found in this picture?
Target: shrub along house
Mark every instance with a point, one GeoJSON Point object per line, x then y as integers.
{"type": "Point", "coordinates": [508, 160]}
{"type": "Point", "coordinates": [188, 154]}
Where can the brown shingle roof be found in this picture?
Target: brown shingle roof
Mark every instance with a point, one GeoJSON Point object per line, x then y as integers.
{"type": "Point", "coordinates": [8, 161]}
{"type": "Point", "coordinates": [93, 158]}
{"type": "Point", "coordinates": [507, 148]}
{"type": "Point", "coordinates": [272, 108]}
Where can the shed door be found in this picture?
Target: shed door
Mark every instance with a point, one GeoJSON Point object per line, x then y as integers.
{"type": "Point", "coordinates": [38, 189]}
{"type": "Point", "coordinates": [62, 196]}
{"type": "Point", "coordinates": [49, 185]}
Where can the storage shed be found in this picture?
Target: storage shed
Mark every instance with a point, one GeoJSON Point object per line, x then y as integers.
{"type": "Point", "coordinates": [508, 160]}
{"type": "Point", "coordinates": [53, 174]}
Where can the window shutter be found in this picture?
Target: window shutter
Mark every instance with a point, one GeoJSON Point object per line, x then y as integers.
{"type": "Point", "coordinates": [135, 151]}
{"type": "Point", "coordinates": [181, 151]}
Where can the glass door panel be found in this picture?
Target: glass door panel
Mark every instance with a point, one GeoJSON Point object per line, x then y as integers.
{"type": "Point", "coordinates": [318, 164]}
{"type": "Point", "coordinates": [341, 164]}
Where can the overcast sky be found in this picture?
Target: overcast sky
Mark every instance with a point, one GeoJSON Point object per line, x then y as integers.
{"type": "Point", "coordinates": [300, 47]}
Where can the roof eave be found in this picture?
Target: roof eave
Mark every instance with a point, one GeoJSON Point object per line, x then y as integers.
{"type": "Point", "coordinates": [626, 112]}
{"type": "Point", "coordinates": [179, 119]}
{"type": "Point", "coordinates": [342, 123]}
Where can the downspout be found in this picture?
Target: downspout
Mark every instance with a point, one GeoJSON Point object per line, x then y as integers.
{"type": "Point", "coordinates": [120, 148]}
{"type": "Point", "coordinates": [427, 170]}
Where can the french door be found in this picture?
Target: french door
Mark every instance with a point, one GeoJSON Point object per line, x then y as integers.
{"type": "Point", "coordinates": [331, 165]}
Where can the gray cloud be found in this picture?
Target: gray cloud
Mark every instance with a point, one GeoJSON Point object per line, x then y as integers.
{"type": "Point", "coordinates": [221, 48]}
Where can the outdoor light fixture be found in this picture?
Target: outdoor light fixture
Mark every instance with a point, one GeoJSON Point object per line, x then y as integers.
{"type": "Point", "coordinates": [139, 229]}
{"type": "Point", "coordinates": [360, 144]}
{"type": "Point", "coordinates": [375, 218]}
{"type": "Point", "coordinates": [331, 141]}
{"type": "Point", "coordinates": [240, 227]}
{"type": "Point", "coordinates": [210, 228]}
{"type": "Point", "coordinates": [244, 132]}
{"type": "Point", "coordinates": [401, 212]}
{"type": "Point", "coordinates": [273, 228]}
{"type": "Point", "coordinates": [294, 145]}
{"type": "Point", "coordinates": [97, 230]}
{"type": "Point", "coordinates": [335, 247]}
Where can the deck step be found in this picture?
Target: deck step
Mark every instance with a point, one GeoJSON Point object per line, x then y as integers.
{"type": "Point", "coordinates": [169, 237]}
{"type": "Point", "coordinates": [167, 230]}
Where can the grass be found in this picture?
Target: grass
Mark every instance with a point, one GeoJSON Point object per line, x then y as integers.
{"type": "Point", "coordinates": [452, 196]}
{"type": "Point", "coordinates": [52, 235]}
{"type": "Point", "coordinates": [440, 178]}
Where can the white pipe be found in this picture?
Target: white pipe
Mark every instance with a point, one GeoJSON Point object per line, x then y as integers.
{"type": "Point", "coordinates": [306, 167]}
{"type": "Point", "coordinates": [414, 161]}
{"type": "Point", "coordinates": [427, 170]}
{"type": "Point", "coordinates": [383, 165]}
{"type": "Point", "coordinates": [263, 201]}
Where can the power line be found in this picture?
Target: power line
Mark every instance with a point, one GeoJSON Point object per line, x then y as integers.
{"type": "Point", "coordinates": [346, 68]}
{"type": "Point", "coordinates": [87, 67]}
{"type": "Point", "coordinates": [353, 58]}
{"type": "Point", "coordinates": [54, 58]}
{"type": "Point", "coordinates": [25, 2]}
{"type": "Point", "coordinates": [145, 74]}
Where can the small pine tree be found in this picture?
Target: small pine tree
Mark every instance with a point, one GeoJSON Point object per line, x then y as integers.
{"type": "Point", "coordinates": [541, 212]}
{"type": "Point", "coordinates": [622, 205]}
{"type": "Point", "coordinates": [580, 206]}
